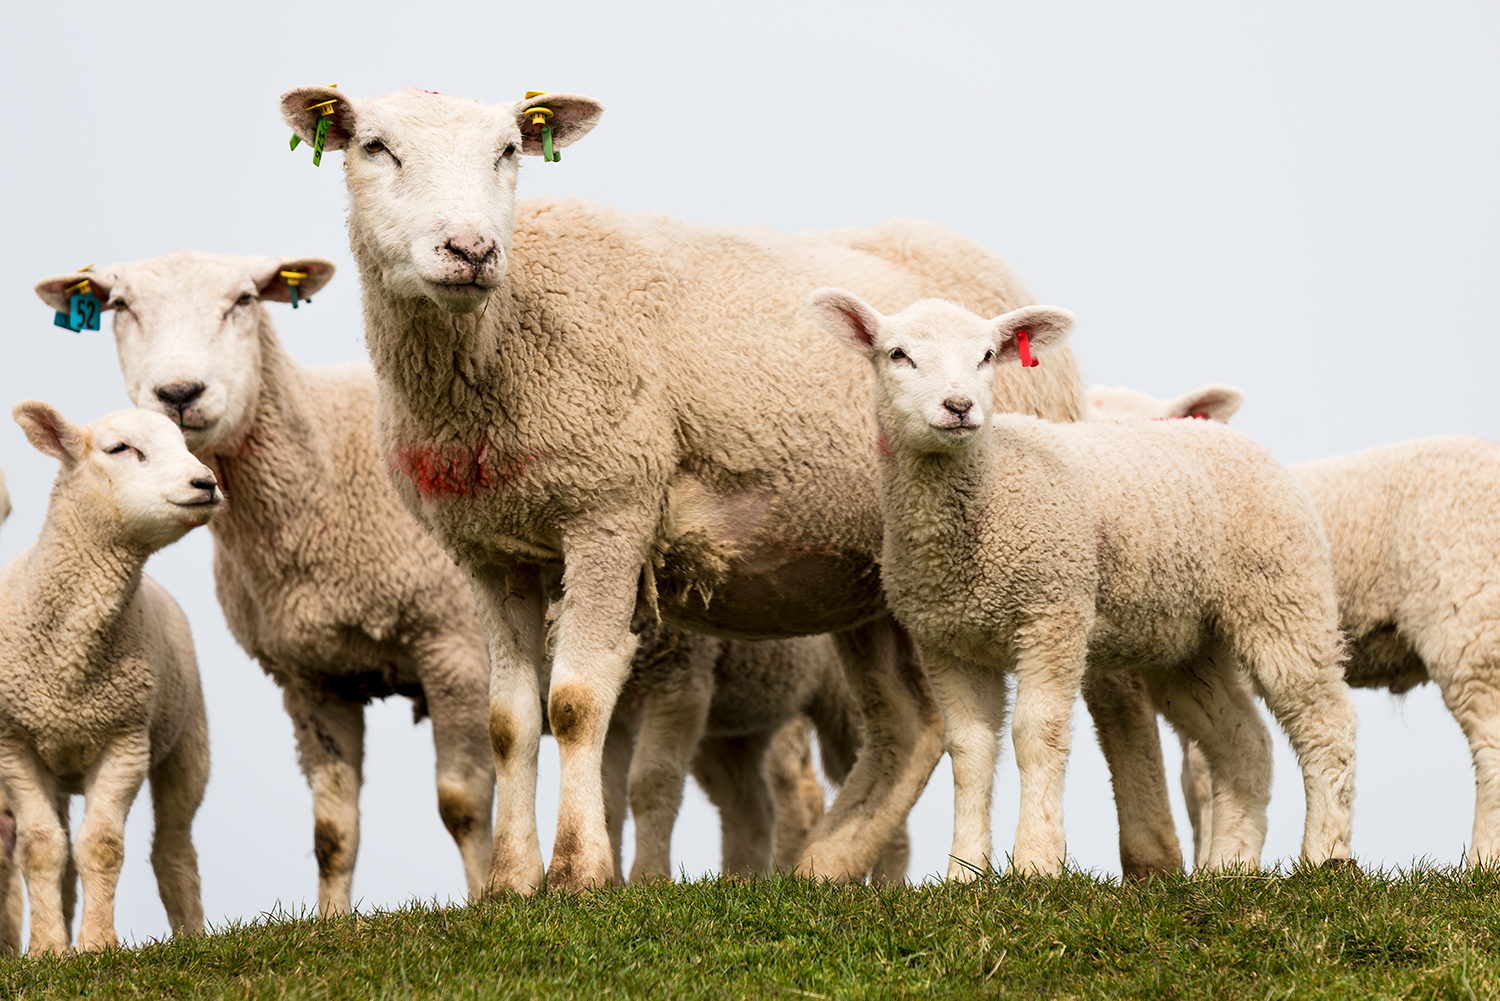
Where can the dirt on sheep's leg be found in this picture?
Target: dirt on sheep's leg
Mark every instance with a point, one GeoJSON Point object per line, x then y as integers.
{"type": "Point", "coordinates": [904, 740]}
{"type": "Point", "coordinates": [109, 788]}
{"type": "Point", "coordinates": [330, 737]}
{"type": "Point", "coordinates": [1125, 722]}
{"type": "Point", "coordinates": [177, 785]}
{"type": "Point", "coordinates": [973, 699]}
{"type": "Point", "coordinates": [732, 772]}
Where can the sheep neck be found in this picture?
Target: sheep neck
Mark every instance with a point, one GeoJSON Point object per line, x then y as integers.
{"type": "Point", "coordinates": [932, 499]}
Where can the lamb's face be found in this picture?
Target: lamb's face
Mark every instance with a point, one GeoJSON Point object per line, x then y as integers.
{"type": "Point", "coordinates": [135, 464]}
{"type": "Point", "coordinates": [935, 376]}
{"type": "Point", "coordinates": [432, 182]}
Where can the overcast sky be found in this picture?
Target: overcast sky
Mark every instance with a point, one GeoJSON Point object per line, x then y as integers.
{"type": "Point", "coordinates": [1296, 197]}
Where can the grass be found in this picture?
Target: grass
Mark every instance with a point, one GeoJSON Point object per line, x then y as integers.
{"type": "Point", "coordinates": [1419, 933]}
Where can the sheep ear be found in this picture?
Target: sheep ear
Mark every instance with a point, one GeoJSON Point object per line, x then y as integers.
{"type": "Point", "coordinates": [54, 291]}
{"type": "Point", "coordinates": [299, 110]}
{"type": "Point", "coordinates": [846, 315]}
{"type": "Point", "coordinates": [1045, 326]}
{"type": "Point", "coordinates": [573, 115]}
{"type": "Point", "coordinates": [271, 278]}
{"type": "Point", "coordinates": [50, 431]}
{"type": "Point", "coordinates": [1216, 402]}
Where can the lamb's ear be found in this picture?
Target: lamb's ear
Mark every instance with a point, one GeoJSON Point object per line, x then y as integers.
{"type": "Point", "coordinates": [299, 108]}
{"type": "Point", "coordinates": [54, 291]}
{"type": "Point", "coordinates": [50, 431]}
{"type": "Point", "coordinates": [1045, 326]}
{"type": "Point", "coordinates": [846, 315]}
{"type": "Point", "coordinates": [1216, 402]}
{"type": "Point", "coordinates": [271, 277]}
{"type": "Point", "coordinates": [572, 117]}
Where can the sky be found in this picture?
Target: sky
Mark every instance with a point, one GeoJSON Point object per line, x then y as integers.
{"type": "Point", "coordinates": [1295, 197]}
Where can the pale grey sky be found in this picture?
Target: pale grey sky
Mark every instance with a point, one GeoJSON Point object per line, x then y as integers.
{"type": "Point", "coordinates": [1296, 197]}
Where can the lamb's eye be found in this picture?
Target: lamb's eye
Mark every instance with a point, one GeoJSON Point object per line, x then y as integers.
{"type": "Point", "coordinates": [989, 356]}
{"type": "Point", "coordinates": [117, 449]}
{"type": "Point", "coordinates": [373, 146]}
{"type": "Point", "coordinates": [898, 356]}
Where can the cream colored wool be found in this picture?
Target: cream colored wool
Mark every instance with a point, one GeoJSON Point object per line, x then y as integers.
{"type": "Point", "coordinates": [602, 406]}
{"type": "Point", "coordinates": [323, 577]}
{"type": "Point", "coordinates": [98, 681]}
{"type": "Point", "coordinates": [1174, 549]}
{"type": "Point", "coordinates": [10, 887]}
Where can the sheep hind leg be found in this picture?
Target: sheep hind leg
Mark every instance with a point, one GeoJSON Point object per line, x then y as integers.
{"type": "Point", "coordinates": [732, 772]}
{"type": "Point", "coordinates": [619, 745]}
{"type": "Point", "coordinates": [177, 784]}
{"type": "Point", "coordinates": [973, 701]}
{"type": "Point", "coordinates": [1049, 672]}
{"type": "Point", "coordinates": [11, 903]}
{"type": "Point", "coordinates": [799, 796]}
{"type": "Point", "coordinates": [1207, 703]}
{"type": "Point", "coordinates": [110, 787]}
{"type": "Point", "coordinates": [671, 726]}
{"type": "Point", "coordinates": [1474, 701]}
{"type": "Point", "coordinates": [1125, 722]}
{"type": "Point", "coordinates": [1198, 793]}
{"type": "Point", "coordinates": [904, 740]}
{"type": "Point", "coordinates": [330, 736]}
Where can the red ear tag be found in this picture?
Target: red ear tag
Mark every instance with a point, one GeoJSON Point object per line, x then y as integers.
{"type": "Point", "coordinates": [1023, 344]}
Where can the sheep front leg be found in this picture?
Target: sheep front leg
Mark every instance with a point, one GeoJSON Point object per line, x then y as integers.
{"type": "Point", "coordinates": [1475, 704]}
{"type": "Point", "coordinates": [594, 651]}
{"type": "Point", "coordinates": [41, 848]}
{"type": "Point", "coordinates": [177, 784]}
{"type": "Point", "coordinates": [110, 786]}
{"type": "Point", "coordinates": [732, 772]}
{"type": "Point", "coordinates": [1049, 672]}
{"type": "Point", "coordinates": [800, 800]}
{"type": "Point", "coordinates": [331, 748]}
{"type": "Point", "coordinates": [973, 701]}
{"type": "Point", "coordinates": [512, 609]}
{"type": "Point", "coordinates": [455, 681]}
{"type": "Point", "coordinates": [12, 904]}
{"type": "Point", "coordinates": [671, 724]}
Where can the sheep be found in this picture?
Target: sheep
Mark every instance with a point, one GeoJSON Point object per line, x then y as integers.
{"type": "Point", "coordinates": [98, 682]}
{"type": "Point", "coordinates": [10, 887]}
{"type": "Point", "coordinates": [1174, 549]}
{"type": "Point", "coordinates": [608, 407]}
{"type": "Point", "coordinates": [322, 575]}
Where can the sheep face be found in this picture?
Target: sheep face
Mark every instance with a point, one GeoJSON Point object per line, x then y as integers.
{"type": "Point", "coordinates": [188, 328]}
{"type": "Point", "coordinates": [934, 362]}
{"type": "Point", "coordinates": [432, 182]}
{"type": "Point", "coordinates": [132, 467]}
{"type": "Point", "coordinates": [1216, 402]}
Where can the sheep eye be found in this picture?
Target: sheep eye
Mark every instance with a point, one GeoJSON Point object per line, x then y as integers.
{"type": "Point", "coordinates": [244, 299]}
{"type": "Point", "coordinates": [373, 146]}
{"type": "Point", "coordinates": [989, 356]}
{"type": "Point", "coordinates": [897, 355]}
{"type": "Point", "coordinates": [510, 150]}
{"type": "Point", "coordinates": [117, 449]}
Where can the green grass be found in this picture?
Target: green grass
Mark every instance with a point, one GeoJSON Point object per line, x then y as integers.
{"type": "Point", "coordinates": [1423, 933]}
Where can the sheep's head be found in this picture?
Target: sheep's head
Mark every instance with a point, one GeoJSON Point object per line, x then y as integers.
{"type": "Point", "coordinates": [1214, 402]}
{"type": "Point", "coordinates": [131, 465]}
{"type": "Point", "coordinates": [188, 329]}
{"type": "Point", "coordinates": [935, 361]}
{"type": "Point", "coordinates": [432, 181]}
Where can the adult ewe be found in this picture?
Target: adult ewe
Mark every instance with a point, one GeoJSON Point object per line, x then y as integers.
{"type": "Point", "coordinates": [598, 406]}
{"type": "Point", "coordinates": [1173, 549]}
{"type": "Point", "coordinates": [98, 682]}
{"type": "Point", "coordinates": [323, 577]}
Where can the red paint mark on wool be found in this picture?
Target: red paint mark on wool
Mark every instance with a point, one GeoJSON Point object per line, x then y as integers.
{"type": "Point", "coordinates": [458, 471]}
{"type": "Point", "coordinates": [883, 445]}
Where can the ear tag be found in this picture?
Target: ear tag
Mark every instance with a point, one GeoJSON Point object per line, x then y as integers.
{"type": "Point", "coordinates": [83, 309]}
{"type": "Point", "coordinates": [1023, 345]}
{"type": "Point", "coordinates": [542, 117]}
{"type": "Point", "coordinates": [321, 133]}
{"type": "Point", "coordinates": [294, 279]}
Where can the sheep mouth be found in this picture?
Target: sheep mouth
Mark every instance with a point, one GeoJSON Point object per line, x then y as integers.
{"type": "Point", "coordinates": [957, 429]}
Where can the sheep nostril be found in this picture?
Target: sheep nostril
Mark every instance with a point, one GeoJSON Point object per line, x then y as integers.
{"type": "Point", "coordinates": [206, 483]}
{"type": "Point", "coordinates": [959, 405]}
{"type": "Point", "coordinates": [179, 394]}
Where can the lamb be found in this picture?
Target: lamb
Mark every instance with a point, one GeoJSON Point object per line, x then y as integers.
{"type": "Point", "coordinates": [98, 681]}
{"type": "Point", "coordinates": [1174, 549]}
{"type": "Point", "coordinates": [10, 887]}
{"type": "Point", "coordinates": [322, 575]}
{"type": "Point", "coordinates": [606, 407]}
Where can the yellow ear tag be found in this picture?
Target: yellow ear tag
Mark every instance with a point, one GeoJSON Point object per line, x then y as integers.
{"type": "Point", "coordinates": [322, 130]}
{"type": "Point", "coordinates": [293, 280]}
{"type": "Point", "coordinates": [542, 117]}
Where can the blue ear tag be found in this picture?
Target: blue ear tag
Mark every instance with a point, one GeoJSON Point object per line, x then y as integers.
{"type": "Point", "coordinates": [83, 313]}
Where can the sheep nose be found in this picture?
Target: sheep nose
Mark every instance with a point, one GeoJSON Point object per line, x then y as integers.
{"type": "Point", "coordinates": [959, 405]}
{"type": "Point", "coordinates": [179, 394]}
{"type": "Point", "coordinates": [471, 249]}
{"type": "Point", "coordinates": [206, 483]}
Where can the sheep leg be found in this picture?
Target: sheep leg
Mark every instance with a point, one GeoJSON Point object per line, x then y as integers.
{"type": "Point", "coordinates": [904, 740]}
{"type": "Point", "coordinates": [1206, 703]}
{"type": "Point", "coordinates": [1475, 704]}
{"type": "Point", "coordinates": [890, 868]}
{"type": "Point", "coordinates": [671, 725]}
{"type": "Point", "coordinates": [330, 736]}
{"type": "Point", "coordinates": [11, 903]}
{"type": "Point", "coordinates": [1049, 672]}
{"type": "Point", "coordinates": [619, 745]}
{"type": "Point", "coordinates": [732, 772]}
{"type": "Point", "coordinates": [973, 700]}
{"type": "Point", "coordinates": [455, 681]}
{"type": "Point", "coordinates": [512, 609]}
{"type": "Point", "coordinates": [41, 847]}
{"type": "Point", "coordinates": [70, 865]}
{"type": "Point", "coordinates": [798, 793]}
{"type": "Point", "coordinates": [1198, 791]}
{"type": "Point", "coordinates": [110, 786]}
{"type": "Point", "coordinates": [177, 784]}
{"type": "Point", "coordinates": [1125, 722]}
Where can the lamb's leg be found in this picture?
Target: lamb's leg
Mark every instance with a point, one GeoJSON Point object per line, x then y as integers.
{"type": "Point", "coordinates": [671, 724]}
{"type": "Point", "coordinates": [1125, 722]}
{"type": "Point", "coordinates": [890, 868]}
{"type": "Point", "coordinates": [1474, 701]}
{"type": "Point", "coordinates": [1208, 704]}
{"type": "Point", "coordinates": [110, 786]}
{"type": "Point", "coordinates": [619, 745]}
{"type": "Point", "coordinates": [1198, 791]}
{"type": "Point", "coordinates": [41, 848]}
{"type": "Point", "coordinates": [70, 866]}
{"type": "Point", "coordinates": [732, 772]}
{"type": "Point", "coordinates": [177, 784]}
{"type": "Point", "coordinates": [512, 609]}
{"type": "Point", "coordinates": [455, 681]}
{"type": "Point", "coordinates": [331, 748]}
{"type": "Point", "coordinates": [11, 903]}
{"type": "Point", "coordinates": [800, 801]}
{"type": "Point", "coordinates": [973, 701]}
{"type": "Point", "coordinates": [904, 731]}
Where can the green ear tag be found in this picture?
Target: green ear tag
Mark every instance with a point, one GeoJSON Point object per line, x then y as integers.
{"type": "Point", "coordinates": [548, 153]}
{"type": "Point", "coordinates": [318, 138]}
{"type": "Point", "coordinates": [296, 141]}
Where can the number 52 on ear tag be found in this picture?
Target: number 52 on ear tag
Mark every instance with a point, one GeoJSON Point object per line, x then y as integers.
{"type": "Point", "coordinates": [82, 314]}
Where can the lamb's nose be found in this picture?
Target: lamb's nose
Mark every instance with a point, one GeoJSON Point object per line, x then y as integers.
{"type": "Point", "coordinates": [472, 251]}
{"type": "Point", "coordinates": [959, 405]}
{"type": "Point", "coordinates": [206, 483]}
{"type": "Point", "coordinates": [179, 394]}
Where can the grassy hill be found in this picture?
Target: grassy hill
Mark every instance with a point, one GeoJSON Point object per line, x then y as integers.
{"type": "Point", "coordinates": [1424, 933]}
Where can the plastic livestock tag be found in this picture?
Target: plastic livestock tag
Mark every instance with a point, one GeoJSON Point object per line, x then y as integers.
{"type": "Point", "coordinates": [83, 314]}
{"type": "Point", "coordinates": [320, 134]}
{"type": "Point", "coordinates": [294, 279]}
{"type": "Point", "coordinates": [1023, 345]}
{"type": "Point", "coordinates": [543, 117]}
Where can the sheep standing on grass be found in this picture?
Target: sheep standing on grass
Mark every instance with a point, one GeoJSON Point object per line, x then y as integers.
{"type": "Point", "coordinates": [98, 682]}
{"type": "Point", "coordinates": [606, 407]}
{"type": "Point", "coordinates": [1175, 549]}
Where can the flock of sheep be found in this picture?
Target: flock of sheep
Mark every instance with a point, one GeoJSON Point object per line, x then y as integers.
{"type": "Point", "coordinates": [675, 496]}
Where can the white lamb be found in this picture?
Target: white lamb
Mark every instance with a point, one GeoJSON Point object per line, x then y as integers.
{"type": "Point", "coordinates": [98, 681]}
{"type": "Point", "coordinates": [1176, 549]}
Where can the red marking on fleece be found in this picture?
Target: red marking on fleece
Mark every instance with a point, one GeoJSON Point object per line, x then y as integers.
{"type": "Point", "coordinates": [457, 471]}
{"type": "Point", "coordinates": [419, 90]}
{"type": "Point", "coordinates": [883, 445]}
